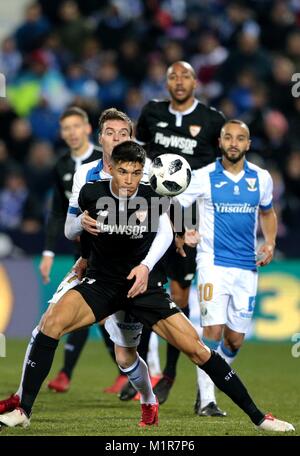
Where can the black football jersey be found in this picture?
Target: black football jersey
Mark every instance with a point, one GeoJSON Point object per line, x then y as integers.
{"type": "Point", "coordinates": [63, 181]}
{"type": "Point", "coordinates": [127, 227]}
{"type": "Point", "coordinates": [192, 134]}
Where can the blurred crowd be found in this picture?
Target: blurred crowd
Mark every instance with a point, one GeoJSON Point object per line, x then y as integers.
{"type": "Point", "coordinates": [115, 53]}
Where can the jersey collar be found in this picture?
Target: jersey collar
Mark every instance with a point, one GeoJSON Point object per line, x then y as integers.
{"type": "Point", "coordinates": [85, 156]}
{"type": "Point", "coordinates": [184, 113]}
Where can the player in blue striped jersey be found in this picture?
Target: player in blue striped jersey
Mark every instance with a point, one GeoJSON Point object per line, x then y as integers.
{"type": "Point", "coordinates": [232, 194]}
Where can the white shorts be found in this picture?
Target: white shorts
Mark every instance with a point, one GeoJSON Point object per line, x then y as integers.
{"type": "Point", "coordinates": [68, 282]}
{"type": "Point", "coordinates": [122, 328]}
{"type": "Point", "coordinates": [227, 296]}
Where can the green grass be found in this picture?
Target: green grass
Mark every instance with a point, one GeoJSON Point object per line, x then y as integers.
{"type": "Point", "coordinates": [269, 371]}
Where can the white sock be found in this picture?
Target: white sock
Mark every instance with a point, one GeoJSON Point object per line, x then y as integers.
{"type": "Point", "coordinates": [33, 336]}
{"type": "Point", "coordinates": [206, 387]}
{"type": "Point", "coordinates": [226, 353]}
{"type": "Point", "coordinates": [153, 356]}
{"type": "Point", "coordinates": [138, 375]}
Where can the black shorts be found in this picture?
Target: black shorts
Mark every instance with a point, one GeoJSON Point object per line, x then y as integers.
{"type": "Point", "coordinates": [181, 269]}
{"type": "Point", "coordinates": [105, 298]}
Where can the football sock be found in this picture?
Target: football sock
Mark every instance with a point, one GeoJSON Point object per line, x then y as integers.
{"type": "Point", "coordinates": [138, 375]}
{"type": "Point", "coordinates": [173, 355]}
{"type": "Point", "coordinates": [33, 336]}
{"type": "Point", "coordinates": [73, 346]}
{"type": "Point", "coordinates": [153, 356]}
{"type": "Point", "coordinates": [205, 384]}
{"type": "Point", "coordinates": [38, 366]}
{"type": "Point", "coordinates": [226, 353]}
{"type": "Point", "coordinates": [227, 381]}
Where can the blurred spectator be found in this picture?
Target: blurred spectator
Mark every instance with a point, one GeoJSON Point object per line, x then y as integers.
{"type": "Point", "coordinates": [10, 59]}
{"type": "Point", "coordinates": [92, 57]}
{"type": "Point", "coordinates": [248, 55]}
{"type": "Point", "coordinates": [210, 55]}
{"type": "Point", "coordinates": [44, 122]}
{"type": "Point", "coordinates": [276, 146]}
{"type": "Point", "coordinates": [134, 103]}
{"type": "Point", "coordinates": [74, 29]}
{"type": "Point", "coordinates": [20, 139]}
{"type": "Point", "coordinates": [6, 163]}
{"type": "Point", "coordinates": [241, 93]}
{"type": "Point", "coordinates": [154, 85]}
{"type": "Point", "coordinates": [34, 29]}
{"type": "Point", "coordinates": [112, 86]}
{"type": "Point", "coordinates": [278, 23]}
{"type": "Point", "coordinates": [281, 86]}
{"type": "Point", "coordinates": [293, 49]}
{"type": "Point", "coordinates": [79, 83]}
{"type": "Point", "coordinates": [39, 80]}
{"type": "Point", "coordinates": [39, 170]}
{"type": "Point", "coordinates": [132, 61]}
{"type": "Point", "coordinates": [18, 209]}
{"type": "Point", "coordinates": [7, 116]}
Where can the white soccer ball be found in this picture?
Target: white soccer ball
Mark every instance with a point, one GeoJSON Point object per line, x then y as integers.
{"type": "Point", "coordinates": [169, 174]}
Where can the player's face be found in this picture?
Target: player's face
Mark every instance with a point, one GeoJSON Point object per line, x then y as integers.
{"type": "Point", "coordinates": [114, 132]}
{"type": "Point", "coordinates": [75, 132]}
{"type": "Point", "coordinates": [126, 177]}
{"type": "Point", "coordinates": [181, 83]}
{"type": "Point", "coordinates": [234, 142]}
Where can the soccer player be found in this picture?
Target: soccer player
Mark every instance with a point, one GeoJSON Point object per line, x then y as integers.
{"type": "Point", "coordinates": [185, 126]}
{"type": "Point", "coordinates": [232, 193]}
{"type": "Point", "coordinates": [114, 127]}
{"type": "Point", "coordinates": [75, 130]}
{"type": "Point", "coordinates": [126, 216]}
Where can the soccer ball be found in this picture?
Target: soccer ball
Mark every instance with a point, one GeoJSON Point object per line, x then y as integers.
{"type": "Point", "coordinates": [169, 174]}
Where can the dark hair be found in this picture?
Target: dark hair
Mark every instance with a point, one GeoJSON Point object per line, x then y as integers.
{"type": "Point", "coordinates": [114, 114]}
{"type": "Point", "coordinates": [128, 151]}
{"type": "Point", "coordinates": [74, 111]}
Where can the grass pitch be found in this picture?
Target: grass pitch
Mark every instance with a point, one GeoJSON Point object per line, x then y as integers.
{"type": "Point", "coordinates": [269, 371]}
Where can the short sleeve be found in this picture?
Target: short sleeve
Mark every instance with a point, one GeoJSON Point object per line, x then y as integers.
{"type": "Point", "coordinates": [266, 200]}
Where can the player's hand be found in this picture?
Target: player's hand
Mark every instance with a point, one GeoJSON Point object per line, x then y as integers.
{"type": "Point", "coordinates": [265, 253]}
{"type": "Point", "coordinates": [179, 243]}
{"type": "Point", "coordinates": [89, 224]}
{"type": "Point", "coordinates": [45, 267]}
{"type": "Point", "coordinates": [80, 267]}
{"type": "Point", "coordinates": [141, 274]}
{"type": "Point", "coordinates": [192, 238]}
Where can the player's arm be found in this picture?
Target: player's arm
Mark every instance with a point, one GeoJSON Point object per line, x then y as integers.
{"type": "Point", "coordinates": [267, 218]}
{"type": "Point", "coordinates": [268, 223]}
{"type": "Point", "coordinates": [159, 246]}
{"type": "Point", "coordinates": [77, 220]}
{"type": "Point", "coordinates": [54, 228]}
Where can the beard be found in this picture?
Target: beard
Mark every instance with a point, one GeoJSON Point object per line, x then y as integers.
{"type": "Point", "coordinates": [234, 159]}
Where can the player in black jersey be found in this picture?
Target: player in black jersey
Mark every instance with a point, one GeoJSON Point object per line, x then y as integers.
{"type": "Point", "coordinates": [75, 130]}
{"type": "Point", "coordinates": [185, 126]}
{"type": "Point", "coordinates": [118, 278]}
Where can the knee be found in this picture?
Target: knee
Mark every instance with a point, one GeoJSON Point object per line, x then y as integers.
{"type": "Point", "coordinates": [199, 354]}
{"type": "Point", "coordinates": [233, 344]}
{"type": "Point", "coordinates": [212, 332]}
{"type": "Point", "coordinates": [180, 298]}
{"type": "Point", "coordinates": [125, 357]}
{"type": "Point", "coordinates": [52, 325]}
